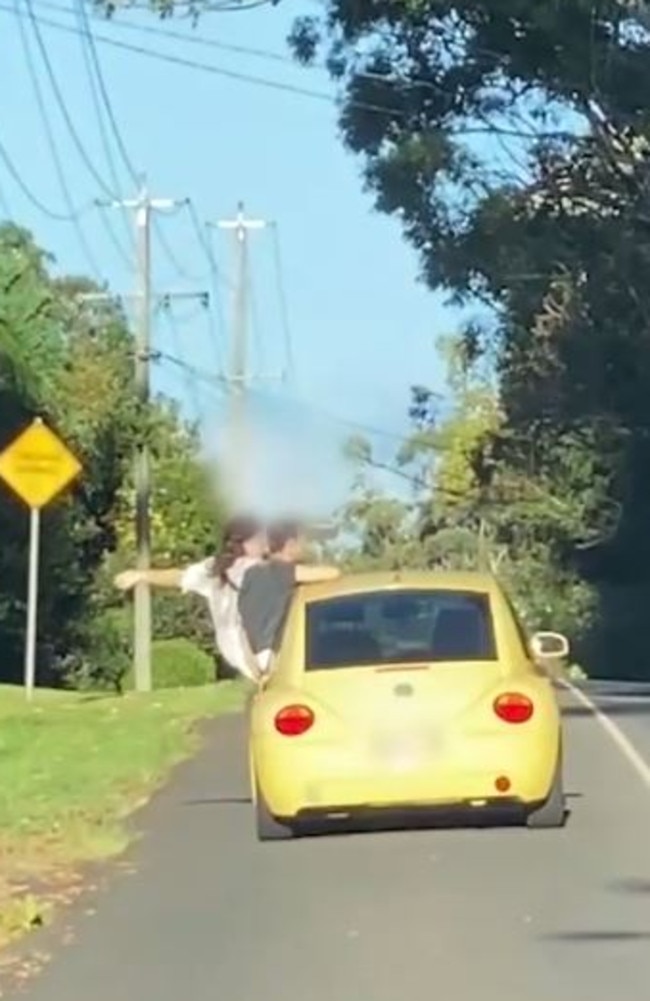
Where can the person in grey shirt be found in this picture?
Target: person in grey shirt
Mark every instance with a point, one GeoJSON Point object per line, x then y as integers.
{"type": "Point", "coordinates": [267, 589]}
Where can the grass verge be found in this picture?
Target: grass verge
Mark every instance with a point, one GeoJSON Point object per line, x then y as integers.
{"type": "Point", "coordinates": [72, 768]}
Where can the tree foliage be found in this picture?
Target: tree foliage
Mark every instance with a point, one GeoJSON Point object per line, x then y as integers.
{"type": "Point", "coordinates": [511, 138]}
{"type": "Point", "coordinates": [72, 363]}
{"type": "Point", "coordinates": [469, 509]}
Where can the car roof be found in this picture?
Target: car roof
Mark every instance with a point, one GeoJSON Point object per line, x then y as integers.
{"type": "Point", "coordinates": [384, 580]}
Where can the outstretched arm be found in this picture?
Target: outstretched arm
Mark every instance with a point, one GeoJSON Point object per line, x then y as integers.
{"type": "Point", "coordinates": [129, 579]}
{"type": "Point", "coordinates": [315, 574]}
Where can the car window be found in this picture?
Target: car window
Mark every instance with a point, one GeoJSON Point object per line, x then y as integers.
{"type": "Point", "coordinates": [397, 627]}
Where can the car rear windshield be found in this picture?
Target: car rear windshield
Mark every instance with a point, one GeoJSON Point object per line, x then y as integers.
{"type": "Point", "coordinates": [398, 627]}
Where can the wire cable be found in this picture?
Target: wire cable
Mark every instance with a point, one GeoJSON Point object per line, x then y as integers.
{"type": "Point", "coordinates": [16, 176]}
{"type": "Point", "coordinates": [60, 100]}
{"type": "Point", "coordinates": [283, 86]}
{"type": "Point", "coordinates": [87, 32]}
{"type": "Point", "coordinates": [220, 381]}
{"type": "Point", "coordinates": [216, 327]}
{"type": "Point", "coordinates": [204, 241]}
{"type": "Point", "coordinates": [100, 97]}
{"type": "Point", "coordinates": [135, 175]}
{"type": "Point", "coordinates": [267, 55]}
{"type": "Point", "coordinates": [132, 170]}
{"type": "Point", "coordinates": [171, 256]}
{"type": "Point", "coordinates": [352, 425]}
{"type": "Point", "coordinates": [215, 380]}
{"type": "Point", "coordinates": [282, 296]}
{"type": "Point", "coordinates": [254, 318]}
{"type": "Point", "coordinates": [189, 379]}
{"type": "Point", "coordinates": [72, 214]}
{"type": "Point", "coordinates": [216, 319]}
{"type": "Point", "coordinates": [226, 7]}
{"type": "Point", "coordinates": [110, 232]}
{"type": "Point", "coordinates": [179, 36]}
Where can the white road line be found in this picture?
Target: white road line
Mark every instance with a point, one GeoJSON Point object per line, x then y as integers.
{"type": "Point", "coordinates": [624, 744]}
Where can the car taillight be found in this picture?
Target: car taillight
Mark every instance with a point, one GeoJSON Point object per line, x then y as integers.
{"type": "Point", "coordinates": [513, 707]}
{"type": "Point", "coordinates": [292, 721]}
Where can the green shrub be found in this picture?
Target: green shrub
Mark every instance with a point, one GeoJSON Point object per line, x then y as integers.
{"type": "Point", "coordinates": [104, 655]}
{"type": "Point", "coordinates": [177, 663]}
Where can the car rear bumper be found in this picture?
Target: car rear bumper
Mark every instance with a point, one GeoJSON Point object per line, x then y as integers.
{"type": "Point", "coordinates": [466, 813]}
{"type": "Point", "coordinates": [319, 785]}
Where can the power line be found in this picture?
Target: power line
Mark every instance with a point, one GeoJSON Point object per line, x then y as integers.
{"type": "Point", "coordinates": [225, 7]}
{"type": "Point", "coordinates": [282, 86]}
{"type": "Point", "coordinates": [60, 100]}
{"type": "Point", "coordinates": [269, 55]}
{"type": "Point", "coordinates": [215, 335]}
{"type": "Point", "coordinates": [171, 34]}
{"type": "Point", "coordinates": [100, 96]}
{"type": "Point", "coordinates": [216, 279]}
{"type": "Point", "coordinates": [170, 254]}
{"type": "Point", "coordinates": [70, 125]}
{"type": "Point", "coordinates": [135, 175]}
{"type": "Point", "coordinates": [214, 380]}
{"type": "Point", "coordinates": [255, 325]}
{"type": "Point", "coordinates": [202, 234]}
{"type": "Point", "coordinates": [193, 397]}
{"type": "Point", "coordinates": [110, 232]}
{"type": "Point", "coordinates": [16, 176]}
{"type": "Point", "coordinates": [282, 296]}
{"type": "Point", "coordinates": [220, 381]}
{"type": "Point", "coordinates": [346, 422]}
{"type": "Point", "coordinates": [72, 214]}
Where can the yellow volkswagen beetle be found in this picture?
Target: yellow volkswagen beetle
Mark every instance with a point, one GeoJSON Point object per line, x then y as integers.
{"type": "Point", "coordinates": [400, 693]}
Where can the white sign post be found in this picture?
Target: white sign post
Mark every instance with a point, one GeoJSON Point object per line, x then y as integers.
{"type": "Point", "coordinates": [32, 600]}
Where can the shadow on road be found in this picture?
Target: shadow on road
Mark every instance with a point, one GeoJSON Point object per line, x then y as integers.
{"type": "Point", "coordinates": [634, 884]}
{"type": "Point", "coordinates": [219, 801]}
{"type": "Point", "coordinates": [598, 937]}
{"type": "Point", "coordinates": [610, 708]}
{"type": "Point", "coordinates": [619, 689]}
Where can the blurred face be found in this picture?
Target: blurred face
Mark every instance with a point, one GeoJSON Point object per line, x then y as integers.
{"type": "Point", "coordinates": [256, 546]}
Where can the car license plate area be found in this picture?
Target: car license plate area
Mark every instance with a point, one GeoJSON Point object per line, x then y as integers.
{"type": "Point", "coordinates": [401, 753]}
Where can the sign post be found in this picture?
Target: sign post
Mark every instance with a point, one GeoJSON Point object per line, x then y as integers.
{"type": "Point", "coordinates": [37, 466]}
{"type": "Point", "coordinates": [32, 600]}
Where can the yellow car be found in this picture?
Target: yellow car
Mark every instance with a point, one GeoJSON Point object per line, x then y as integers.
{"type": "Point", "coordinates": [406, 692]}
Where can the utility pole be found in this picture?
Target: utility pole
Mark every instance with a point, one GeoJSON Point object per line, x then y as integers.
{"type": "Point", "coordinates": [143, 206]}
{"type": "Point", "coordinates": [238, 376]}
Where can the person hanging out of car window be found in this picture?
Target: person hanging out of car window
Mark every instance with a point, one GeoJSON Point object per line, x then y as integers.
{"type": "Point", "coordinates": [217, 580]}
{"type": "Point", "coordinates": [267, 588]}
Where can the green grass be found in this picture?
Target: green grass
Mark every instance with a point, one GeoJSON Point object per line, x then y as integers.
{"type": "Point", "coordinates": [72, 767]}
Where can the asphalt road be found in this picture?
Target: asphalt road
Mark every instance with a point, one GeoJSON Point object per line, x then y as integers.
{"type": "Point", "coordinates": [506, 915]}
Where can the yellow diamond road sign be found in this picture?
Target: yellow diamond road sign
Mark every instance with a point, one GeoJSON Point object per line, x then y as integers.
{"type": "Point", "coordinates": [37, 465]}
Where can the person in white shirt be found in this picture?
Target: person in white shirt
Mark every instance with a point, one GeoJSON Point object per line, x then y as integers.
{"type": "Point", "coordinates": [218, 580]}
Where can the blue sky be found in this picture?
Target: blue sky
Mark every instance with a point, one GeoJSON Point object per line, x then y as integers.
{"type": "Point", "coordinates": [363, 328]}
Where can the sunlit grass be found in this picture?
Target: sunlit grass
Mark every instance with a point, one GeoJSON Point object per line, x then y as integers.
{"type": "Point", "coordinates": [72, 767]}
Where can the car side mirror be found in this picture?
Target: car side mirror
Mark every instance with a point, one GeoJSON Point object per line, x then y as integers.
{"type": "Point", "coordinates": [553, 645]}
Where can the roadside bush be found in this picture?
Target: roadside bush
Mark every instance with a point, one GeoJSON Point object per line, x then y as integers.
{"type": "Point", "coordinates": [103, 658]}
{"type": "Point", "coordinates": [177, 663]}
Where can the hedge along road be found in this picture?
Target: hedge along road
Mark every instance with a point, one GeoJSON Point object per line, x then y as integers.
{"type": "Point", "coordinates": [507, 915]}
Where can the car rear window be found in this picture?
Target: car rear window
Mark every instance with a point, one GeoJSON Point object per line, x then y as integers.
{"type": "Point", "coordinates": [398, 627]}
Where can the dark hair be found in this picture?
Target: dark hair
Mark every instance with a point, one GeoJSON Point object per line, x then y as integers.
{"type": "Point", "coordinates": [236, 532]}
{"type": "Point", "coordinates": [281, 532]}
